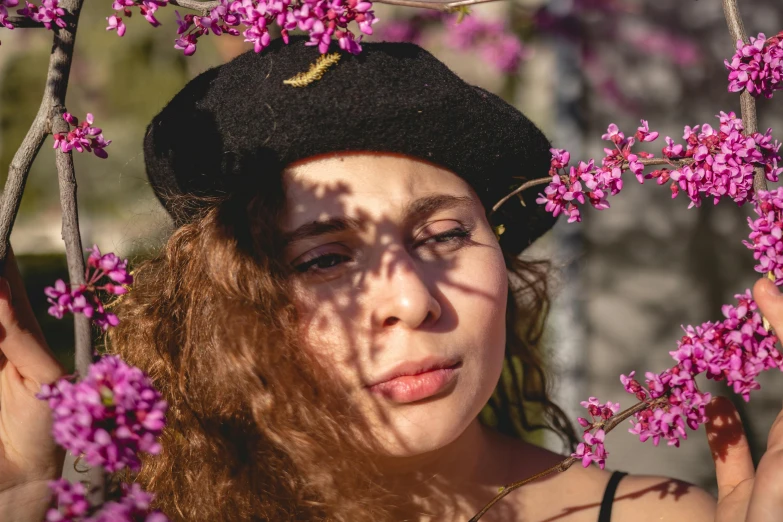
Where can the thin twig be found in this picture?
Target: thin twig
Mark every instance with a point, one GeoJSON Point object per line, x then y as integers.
{"type": "Point", "coordinates": [66, 177]}
{"type": "Point", "coordinates": [542, 181]}
{"type": "Point", "coordinates": [519, 189]}
{"type": "Point", "coordinates": [567, 462]}
{"type": "Point", "coordinates": [24, 22]}
{"type": "Point", "coordinates": [196, 5]}
{"type": "Point", "coordinates": [438, 6]}
{"type": "Point", "coordinates": [747, 103]}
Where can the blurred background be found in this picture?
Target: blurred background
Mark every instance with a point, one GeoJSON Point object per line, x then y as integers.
{"type": "Point", "coordinates": [626, 279]}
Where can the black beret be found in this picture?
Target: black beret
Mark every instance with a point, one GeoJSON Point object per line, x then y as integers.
{"type": "Point", "coordinates": [239, 122]}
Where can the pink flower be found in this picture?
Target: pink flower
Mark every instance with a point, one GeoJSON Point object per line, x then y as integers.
{"type": "Point", "coordinates": [4, 5]}
{"type": "Point", "coordinates": [592, 449]}
{"type": "Point", "coordinates": [83, 137]}
{"type": "Point", "coordinates": [766, 236]}
{"type": "Point", "coordinates": [109, 416]}
{"type": "Point", "coordinates": [83, 299]}
{"type": "Point", "coordinates": [643, 133]}
{"type": "Point", "coordinates": [757, 66]}
{"type": "Point", "coordinates": [73, 506]}
{"type": "Point", "coordinates": [116, 24]}
{"type": "Point", "coordinates": [48, 13]}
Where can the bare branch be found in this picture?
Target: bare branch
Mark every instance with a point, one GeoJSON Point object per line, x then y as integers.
{"type": "Point", "coordinates": [438, 6]}
{"type": "Point", "coordinates": [24, 22]}
{"type": "Point", "coordinates": [17, 177]}
{"type": "Point", "coordinates": [57, 87]}
{"type": "Point", "coordinates": [66, 178]}
{"type": "Point", "coordinates": [195, 5]}
{"type": "Point", "coordinates": [747, 103]}
{"type": "Point", "coordinates": [567, 462]}
{"type": "Point", "coordinates": [519, 189]}
{"type": "Point", "coordinates": [54, 94]}
{"type": "Point", "coordinates": [49, 116]}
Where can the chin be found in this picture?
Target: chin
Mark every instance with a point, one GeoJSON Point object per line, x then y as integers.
{"type": "Point", "coordinates": [420, 428]}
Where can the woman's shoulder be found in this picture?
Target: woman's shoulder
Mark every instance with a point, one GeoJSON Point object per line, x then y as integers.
{"type": "Point", "coordinates": [576, 495]}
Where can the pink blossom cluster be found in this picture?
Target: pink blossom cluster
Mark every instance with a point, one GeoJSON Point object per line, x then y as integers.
{"type": "Point", "coordinates": [109, 416]}
{"type": "Point", "coordinates": [493, 40]}
{"type": "Point", "coordinates": [73, 506]}
{"type": "Point", "coordinates": [766, 236]}
{"type": "Point", "coordinates": [592, 449]}
{"type": "Point", "coordinates": [757, 66]}
{"type": "Point", "coordinates": [736, 349]}
{"type": "Point", "coordinates": [586, 182]}
{"type": "Point", "coordinates": [83, 299]}
{"type": "Point", "coordinates": [323, 19]}
{"type": "Point", "coordinates": [4, 5]}
{"type": "Point", "coordinates": [675, 403]}
{"type": "Point", "coordinates": [723, 161]}
{"type": "Point", "coordinates": [48, 13]}
{"type": "Point", "coordinates": [147, 9]}
{"type": "Point", "coordinates": [83, 137]}
{"type": "Point", "coordinates": [714, 162]}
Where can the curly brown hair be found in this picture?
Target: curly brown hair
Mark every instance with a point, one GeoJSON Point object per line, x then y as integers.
{"type": "Point", "coordinates": [257, 429]}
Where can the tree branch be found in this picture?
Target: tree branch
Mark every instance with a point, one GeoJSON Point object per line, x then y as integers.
{"type": "Point", "coordinates": [747, 103]}
{"type": "Point", "coordinates": [543, 181]}
{"type": "Point", "coordinates": [24, 22]}
{"type": "Point", "coordinates": [57, 85]}
{"type": "Point", "coordinates": [66, 177]}
{"type": "Point", "coordinates": [438, 6]}
{"type": "Point", "coordinates": [567, 462]}
{"type": "Point", "coordinates": [197, 5]}
{"type": "Point", "coordinates": [54, 94]}
{"type": "Point", "coordinates": [50, 116]}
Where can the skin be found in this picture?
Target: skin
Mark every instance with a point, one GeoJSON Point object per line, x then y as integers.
{"type": "Point", "coordinates": [392, 292]}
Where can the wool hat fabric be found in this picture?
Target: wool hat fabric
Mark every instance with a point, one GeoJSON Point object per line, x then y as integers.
{"type": "Point", "coordinates": [238, 124]}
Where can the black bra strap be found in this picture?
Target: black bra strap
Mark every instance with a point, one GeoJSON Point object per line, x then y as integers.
{"type": "Point", "coordinates": [606, 504]}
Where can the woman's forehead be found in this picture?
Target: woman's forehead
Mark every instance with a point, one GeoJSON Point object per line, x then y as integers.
{"type": "Point", "coordinates": [364, 185]}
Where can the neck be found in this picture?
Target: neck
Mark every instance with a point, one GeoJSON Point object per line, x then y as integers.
{"type": "Point", "coordinates": [458, 478]}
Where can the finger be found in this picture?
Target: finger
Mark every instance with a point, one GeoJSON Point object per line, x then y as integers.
{"type": "Point", "coordinates": [770, 302]}
{"type": "Point", "coordinates": [21, 340]}
{"type": "Point", "coordinates": [766, 501]}
{"type": "Point", "coordinates": [729, 446]}
{"type": "Point", "coordinates": [20, 301]}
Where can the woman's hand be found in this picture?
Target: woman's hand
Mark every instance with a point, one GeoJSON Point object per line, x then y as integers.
{"type": "Point", "coordinates": [745, 495]}
{"type": "Point", "coordinates": [29, 457]}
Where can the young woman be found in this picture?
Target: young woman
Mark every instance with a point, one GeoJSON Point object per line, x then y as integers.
{"type": "Point", "coordinates": [336, 326]}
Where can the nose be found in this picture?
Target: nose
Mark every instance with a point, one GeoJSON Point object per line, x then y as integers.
{"type": "Point", "coordinates": [404, 296]}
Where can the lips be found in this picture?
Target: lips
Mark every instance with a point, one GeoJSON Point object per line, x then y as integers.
{"type": "Point", "coordinates": [415, 381]}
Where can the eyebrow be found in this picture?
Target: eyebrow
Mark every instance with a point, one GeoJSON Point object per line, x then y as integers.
{"type": "Point", "coordinates": [428, 205]}
{"type": "Point", "coordinates": [322, 227]}
{"type": "Point", "coordinates": [416, 210]}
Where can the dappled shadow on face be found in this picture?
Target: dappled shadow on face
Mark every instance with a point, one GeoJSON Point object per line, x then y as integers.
{"type": "Point", "coordinates": [349, 319]}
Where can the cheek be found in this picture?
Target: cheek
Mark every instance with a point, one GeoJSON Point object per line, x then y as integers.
{"type": "Point", "coordinates": [480, 303]}
{"type": "Point", "coordinates": [326, 328]}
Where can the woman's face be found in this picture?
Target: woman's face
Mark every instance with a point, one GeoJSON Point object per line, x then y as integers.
{"type": "Point", "coordinates": [401, 287]}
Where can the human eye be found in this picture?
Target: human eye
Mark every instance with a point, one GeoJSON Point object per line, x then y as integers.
{"type": "Point", "coordinates": [455, 235]}
{"type": "Point", "coordinates": [322, 261]}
